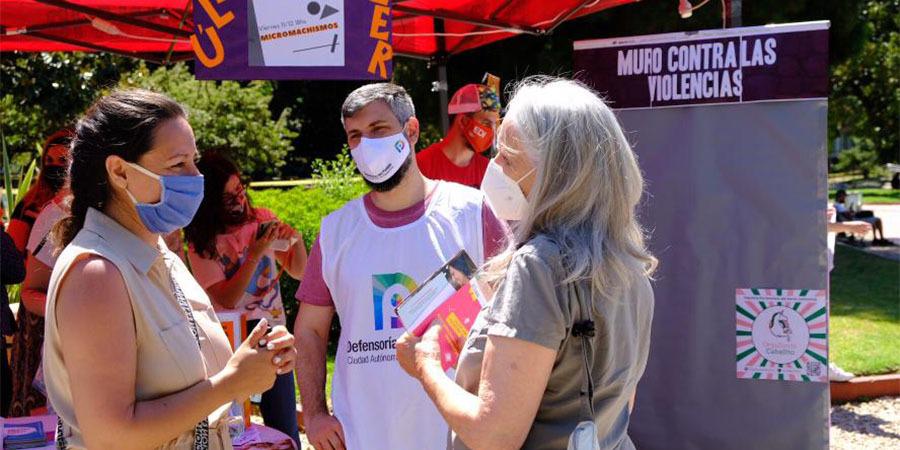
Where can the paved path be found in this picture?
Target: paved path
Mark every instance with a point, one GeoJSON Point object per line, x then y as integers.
{"type": "Point", "coordinates": [890, 218]}
{"type": "Point", "coordinates": [868, 425]}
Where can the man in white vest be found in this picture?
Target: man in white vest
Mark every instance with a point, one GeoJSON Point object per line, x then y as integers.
{"type": "Point", "coordinates": [369, 254]}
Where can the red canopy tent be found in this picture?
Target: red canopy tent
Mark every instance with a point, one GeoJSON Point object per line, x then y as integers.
{"type": "Point", "coordinates": [429, 28]}
{"type": "Point", "coordinates": [159, 30]}
{"type": "Point", "coordinates": [146, 29]}
{"type": "Point", "coordinates": [438, 29]}
{"type": "Point", "coordinates": [153, 29]}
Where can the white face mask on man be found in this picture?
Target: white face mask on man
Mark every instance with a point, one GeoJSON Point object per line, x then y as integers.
{"type": "Point", "coordinates": [503, 193]}
{"type": "Point", "coordinates": [380, 158]}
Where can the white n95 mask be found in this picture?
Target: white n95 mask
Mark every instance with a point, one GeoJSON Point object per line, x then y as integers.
{"type": "Point", "coordinates": [503, 193]}
{"type": "Point", "coordinates": [380, 158]}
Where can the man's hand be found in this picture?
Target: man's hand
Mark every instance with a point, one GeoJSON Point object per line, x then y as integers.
{"type": "Point", "coordinates": [325, 432]}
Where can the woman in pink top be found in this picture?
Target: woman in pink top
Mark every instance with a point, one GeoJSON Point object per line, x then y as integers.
{"type": "Point", "coordinates": [233, 250]}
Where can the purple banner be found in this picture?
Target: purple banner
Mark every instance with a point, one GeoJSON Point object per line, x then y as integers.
{"type": "Point", "coordinates": [775, 62]}
{"type": "Point", "coordinates": [292, 40]}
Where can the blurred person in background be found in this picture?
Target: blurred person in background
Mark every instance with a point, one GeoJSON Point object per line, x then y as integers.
{"type": "Point", "coordinates": [51, 179]}
{"type": "Point", "coordinates": [28, 229]}
{"type": "Point", "coordinates": [235, 251]}
{"type": "Point", "coordinates": [459, 157]}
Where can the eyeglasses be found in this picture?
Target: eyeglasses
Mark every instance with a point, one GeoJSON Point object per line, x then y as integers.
{"type": "Point", "coordinates": [230, 198]}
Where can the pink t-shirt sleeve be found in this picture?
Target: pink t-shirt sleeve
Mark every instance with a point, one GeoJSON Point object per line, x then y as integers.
{"type": "Point", "coordinates": [313, 289]}
{"type": "Point", "coordinates": [207, 272]}
{"type": "Point", "coordinates": [496, 232]}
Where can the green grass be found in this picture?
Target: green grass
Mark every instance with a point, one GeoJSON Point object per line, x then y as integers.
{"type": "Point", "coordinates": [865, 312]}
{"type": "Point", "coordinates": [330, 369]}
{"type": "Point", "coordinates": [874, 196]}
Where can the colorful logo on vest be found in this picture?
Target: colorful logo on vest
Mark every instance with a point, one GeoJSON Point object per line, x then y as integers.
{"type": "Point", "coordinates": [387, 290]}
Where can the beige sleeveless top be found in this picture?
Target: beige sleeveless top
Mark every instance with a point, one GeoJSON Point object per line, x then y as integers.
{"type": "Point", "coordinates": [168, 359]}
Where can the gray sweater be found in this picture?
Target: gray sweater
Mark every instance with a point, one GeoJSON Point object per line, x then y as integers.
{"type": "Point", "coordinates": [533, 305]}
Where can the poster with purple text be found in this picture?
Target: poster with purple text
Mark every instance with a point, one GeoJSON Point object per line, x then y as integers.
{"type": "Point", "coordinates": [737, 65]}
{"type": "Point", "coordinates": [730, 127]}
{"type": "Point", "coordinates": [292, 39]}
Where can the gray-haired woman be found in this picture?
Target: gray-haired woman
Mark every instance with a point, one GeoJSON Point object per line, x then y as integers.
{"type": "Point", "coordinates": [573, 297]}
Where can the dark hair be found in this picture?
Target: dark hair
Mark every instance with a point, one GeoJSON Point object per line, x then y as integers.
{"type": "Point", "coordinates": [209, 221]}
{"type": "Point", "coordinates": [393, 95]}
{"type": "Point", "coordinates": [41, 192]}
{"type": "Point", "coordinates": [840, 193]}
{"type": "Point", "coordinates": [60, 137]}
{"type": "Point", "coordinates": [121, 124]}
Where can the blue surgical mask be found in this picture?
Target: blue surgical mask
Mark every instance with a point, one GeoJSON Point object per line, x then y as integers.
{"type": "Point", "coordinates": [181, 197]}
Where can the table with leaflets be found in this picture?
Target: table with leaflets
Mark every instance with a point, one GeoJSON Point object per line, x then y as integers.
{"type": "Point", "coordinates": [37, 433]}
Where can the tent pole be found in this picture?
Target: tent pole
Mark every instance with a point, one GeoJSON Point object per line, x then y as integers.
{"type": "Point", "coordinates": [568, 15]}
{"type": "Point", "coordinates": [447, 15]}
{"type": "Point", "coordinates": [180, 26]}
{"type": "Point", "coordinates": [413, 56]}
{"type": "Point", "coordinates": [107, 15]}
{"type": "Point", "coordinates": [500, 9]}
{"type": "Point", "coordinates": [732, 13]}
{"type": "Point", "coordinates": [73, 23]}
{"type": "Point", "coordinates": [442, 80]}
{"type": "Point", "coordinates": [100, 48]}
{"type": "Point", "coordinates": [441, 60]}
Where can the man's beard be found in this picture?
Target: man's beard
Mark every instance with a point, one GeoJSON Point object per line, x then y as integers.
{"type": "Point", "coordinates": [395, 179]}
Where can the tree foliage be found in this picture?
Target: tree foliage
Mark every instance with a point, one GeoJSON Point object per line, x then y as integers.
{"type": "Point", "coordinates": [337, 177]}
{"type": "Point", "coordinates": [861, 158]}
{"type": "Point", "coordinates": [230, 116]}
{"type": "Point", "coordinates": [44, 92]}
{"type": "Point", "coordinates": [865, 98]}
{"type": "Point", "coordinates": [259, 121]}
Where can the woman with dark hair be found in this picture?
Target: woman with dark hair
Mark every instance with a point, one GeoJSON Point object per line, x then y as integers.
{"type": "Point", "coordinates": [51, 180]}
{"type": "Point", "coordinates": [43, 199]}
{"type": "Point", "coordinates": [233, 250]}
{"type": "Point", "coordinates": [134, 356]}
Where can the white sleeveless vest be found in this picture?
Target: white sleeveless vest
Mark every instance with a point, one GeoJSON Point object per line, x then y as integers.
{"type": "Point", "coordinates": [367, 269]}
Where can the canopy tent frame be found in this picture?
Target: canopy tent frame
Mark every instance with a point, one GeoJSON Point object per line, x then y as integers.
{"type": "Point", "coordinates": [74, 23]}
{"type": "Point", "coordinates": [441, 47]}
{"type": "Point", "coordinates": [152, 57]}
{"type": "Point", "coordinates": [442, 56]}
{"type": "Point", "coordinates": [448, 15]}
{"type": "Point", "coordinates": [106, 15]}
{"type": "Point", "coordinates": [134, 19]}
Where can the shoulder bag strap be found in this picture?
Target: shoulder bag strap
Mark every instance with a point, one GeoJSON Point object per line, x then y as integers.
{"type": "Point", "coordinates": [584, 328]}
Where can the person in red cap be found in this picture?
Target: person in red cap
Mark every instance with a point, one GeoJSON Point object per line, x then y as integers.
{"type": "Point", "coordinates": [458, 157]}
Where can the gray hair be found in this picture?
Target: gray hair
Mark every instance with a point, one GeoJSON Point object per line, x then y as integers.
{"type": "Point", "coordinates": [395, 97]}
{"type": "Point", "coordinates": [587, 187]}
